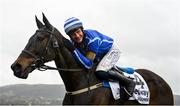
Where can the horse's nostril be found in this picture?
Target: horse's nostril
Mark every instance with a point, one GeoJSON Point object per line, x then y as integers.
{"type": "Point", "coordinates": [16, 67]}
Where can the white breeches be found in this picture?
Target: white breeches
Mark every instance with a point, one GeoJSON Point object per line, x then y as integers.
{"type": "Point", "coordinates": [110, 59]}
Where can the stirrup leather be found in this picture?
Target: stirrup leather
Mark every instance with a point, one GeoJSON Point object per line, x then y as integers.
{"type": "Point", "coordinates": [127, 92]}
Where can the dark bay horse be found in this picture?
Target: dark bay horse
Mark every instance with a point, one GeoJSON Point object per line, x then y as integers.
{"type": "Point", "coordinates": [81, 85]}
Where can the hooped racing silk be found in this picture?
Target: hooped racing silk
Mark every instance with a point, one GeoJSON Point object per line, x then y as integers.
{"type": "Point", "coordinates": [95, 42]}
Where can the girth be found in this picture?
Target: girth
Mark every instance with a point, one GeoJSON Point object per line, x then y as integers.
{"type": "Point", "coordinates": [85, 89]}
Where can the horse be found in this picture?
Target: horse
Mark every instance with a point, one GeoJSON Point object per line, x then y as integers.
{"type": "Point", "coordinates": [82, 86]}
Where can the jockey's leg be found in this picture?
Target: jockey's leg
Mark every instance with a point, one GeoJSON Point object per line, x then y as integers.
{"type": "Point", "coordinates": [127, 82]}
{"type": "Point", "coordinates": [113, 75]}
{"type": "Point", "coordinates": [103, 70]}
{"type": "Point", "coordinates": [102, 75]}
{"type": "Point", "coordinates": [107, 62]}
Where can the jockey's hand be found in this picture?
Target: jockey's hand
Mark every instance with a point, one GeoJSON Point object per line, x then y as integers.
{"type": "Point", "coordinates": [68, 45]}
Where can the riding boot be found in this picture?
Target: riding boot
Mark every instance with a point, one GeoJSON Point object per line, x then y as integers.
{"type": "Point", "coordinates": [127, 82]}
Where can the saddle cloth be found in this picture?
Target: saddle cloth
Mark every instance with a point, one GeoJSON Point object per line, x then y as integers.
{"type": "Point", "coordinates": [141, 91]}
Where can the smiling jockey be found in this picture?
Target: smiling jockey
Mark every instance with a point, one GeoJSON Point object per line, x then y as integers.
{"type": "Point", "coordinates": [90, 46]}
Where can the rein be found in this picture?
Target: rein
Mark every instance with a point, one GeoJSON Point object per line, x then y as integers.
{"type": "Point", "coordinates": [46, 67]}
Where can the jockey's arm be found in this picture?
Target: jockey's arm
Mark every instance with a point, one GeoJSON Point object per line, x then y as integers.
{"type": "Point", "coordinates": [84, 60]}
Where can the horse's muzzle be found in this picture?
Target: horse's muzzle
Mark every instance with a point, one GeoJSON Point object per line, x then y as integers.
{"type": "Point", "coordinates": [17, 69]}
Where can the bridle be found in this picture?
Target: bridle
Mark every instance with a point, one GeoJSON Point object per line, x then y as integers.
{"type": "Point", "coordinates": [39, 62]}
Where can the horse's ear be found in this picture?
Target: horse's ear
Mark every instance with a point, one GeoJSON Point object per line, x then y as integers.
{"type": "Point", "coordinates": [46, 22]}
{"type": "Point", "coordinates": [39, 23]}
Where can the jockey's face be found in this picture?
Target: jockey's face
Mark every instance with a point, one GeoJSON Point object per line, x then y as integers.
{"type": "Point", "coordinates": [77, 35]}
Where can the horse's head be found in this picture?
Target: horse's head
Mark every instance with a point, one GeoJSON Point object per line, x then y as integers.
{"type": "Point", "coordinates": [39, 49]}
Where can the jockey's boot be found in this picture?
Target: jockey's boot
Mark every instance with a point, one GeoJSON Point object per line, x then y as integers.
{"type": "Point", "coordinates": [127, 82]}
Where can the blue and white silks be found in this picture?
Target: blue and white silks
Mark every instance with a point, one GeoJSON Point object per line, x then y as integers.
{"type": "Point", "coordinates": [95, 42]}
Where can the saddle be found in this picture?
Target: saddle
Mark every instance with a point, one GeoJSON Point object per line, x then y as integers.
{"type": "Point", "coordinates": [141, 91]}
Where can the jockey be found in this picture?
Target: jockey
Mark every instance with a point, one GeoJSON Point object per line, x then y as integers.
{"type": "Point", "coordinates": [90, 46]}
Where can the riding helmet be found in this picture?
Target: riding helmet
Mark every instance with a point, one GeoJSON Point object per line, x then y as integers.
{"type": "Point", "coordinates": [72, 23]}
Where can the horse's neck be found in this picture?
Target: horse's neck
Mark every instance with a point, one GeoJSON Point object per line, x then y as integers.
{"type": "Point", "coordinates": [64, 58]}
{"type": "Point", "coordinates": [73, 80]}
